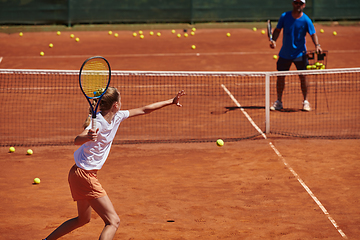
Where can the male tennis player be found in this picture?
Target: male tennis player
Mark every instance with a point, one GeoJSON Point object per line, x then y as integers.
{"type": "Point", "coordinates": [295, 24]}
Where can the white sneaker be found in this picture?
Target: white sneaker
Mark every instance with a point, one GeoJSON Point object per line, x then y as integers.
{"type": "Point", "coordinates": [276, 106]}
{"type": "Point", "coordinates": [306, 106]}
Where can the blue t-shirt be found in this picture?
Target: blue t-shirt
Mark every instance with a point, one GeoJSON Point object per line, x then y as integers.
{"type": "Point", "coordinates": [294, 34]}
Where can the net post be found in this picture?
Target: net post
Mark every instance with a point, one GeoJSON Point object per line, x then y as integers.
{"type": "Point", "coordinates": [267, 103]}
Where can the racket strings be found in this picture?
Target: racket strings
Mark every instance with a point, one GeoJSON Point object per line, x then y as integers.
{"type": "Point", "coordinates": [94, 79]}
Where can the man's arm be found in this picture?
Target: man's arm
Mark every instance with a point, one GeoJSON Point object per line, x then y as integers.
{"type": "Point", "coordinates": [315, 40]}
{"type": "Point", "coordinates": [276, 34]}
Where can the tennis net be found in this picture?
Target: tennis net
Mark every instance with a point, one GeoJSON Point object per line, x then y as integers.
{"type": "Point", "coordinates": [46, 107]}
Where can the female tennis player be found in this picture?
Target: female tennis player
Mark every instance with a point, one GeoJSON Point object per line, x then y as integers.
{"type": "Point", "coordinates": [90, 157]}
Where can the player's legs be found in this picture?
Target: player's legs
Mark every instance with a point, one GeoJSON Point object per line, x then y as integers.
{"type": "Point", "coordinates": [281, 65]}
{"type": "Point", "coordinates": [106, 211]}
{"type": "Point", "coordinates": [301, 65]}
{"type": "Point", "coordinates": [84, 216]}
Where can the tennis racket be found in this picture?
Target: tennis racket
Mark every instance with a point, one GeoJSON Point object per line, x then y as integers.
{"type": "Point", "coordinates": [94, 79]}
{"type": "Point", "coordinates": [269, 30]}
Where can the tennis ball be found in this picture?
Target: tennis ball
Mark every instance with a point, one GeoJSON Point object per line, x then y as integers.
{"type": "Point", "coordinates": [77, 39]}
{"type": "Point", "coordinates": [58, 33]}
{"type": "Point", "coordinates": [192, 33]}
{"type": "Point", "coordinates": [140, 32]}
{"type": "Point", "coordinates": [173, 31]}
{"type": "Point", "coordinates": [134, 34]}
{"type": "Point", "coordinates": [29, 152]}
{"type": "Point", "coordinates": [51, 45]}
{"type": "Point", "coordinates": [322, 30]}
{"type": "Point", "coordinates": [151, 33]}
{"type": "Point", "coordinates": [42, 53]}
{"type": "Point", "coordinates": [11, 149]}
{"type": "Point", "coordinates": [254, 29]}
{"type": "Point", "coordinates": [308, 67]}
{"type": "Point", "coordinates": [228, 34]}
{"type": "Point", "coordinates": [110, 32]}
{"type": "Point", "coordinates": [158, 34]}
{"type": "Point", "coordinates": [193, 46]}
{"type": "Point", "coordinates": [220, 142]}
{"type": "Point", "coordinates": [116, 35]}
{"type": "Point", "coordinates": [72, 35]}
{"type": "Point", "coordinates": [186, 35]}
{"type": "Point", "coordinates": [141, 36]}
{"type": "Point", "coordinates": [275, 57]}
{"type": "Point", "coordinates": [262, 31]}
{"type": "Point", "coordinates": [335, 33]}
{"type": "Point", "coordinates": [178, 35]}
{"type": "Point", "coordinates": [322, 67]}
{"type": "Point", "coordinates": [21, 34]}
{"type": "Point", "coordinates": [36, 180]}
{"type": "Point", "coordinates": [193, 29]}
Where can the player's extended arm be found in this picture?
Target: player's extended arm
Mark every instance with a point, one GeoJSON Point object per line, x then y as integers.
{"type": "Point", "coordinates": [275, 36]}
{"type": "Point", "coordinates": [315, 40]}
{"type": "Point", "coordinates": [155, 106]}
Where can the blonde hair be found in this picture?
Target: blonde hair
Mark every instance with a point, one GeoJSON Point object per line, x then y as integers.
{"type": "Point", "coordinates": [111, 96]}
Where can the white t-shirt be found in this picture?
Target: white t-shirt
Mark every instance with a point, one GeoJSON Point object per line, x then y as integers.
{"type": "Point", "coordinates": [92, 155]}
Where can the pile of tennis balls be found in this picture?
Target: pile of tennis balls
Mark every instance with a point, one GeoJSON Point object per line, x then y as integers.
{"type": "Point", "coordinates": [317, 66]}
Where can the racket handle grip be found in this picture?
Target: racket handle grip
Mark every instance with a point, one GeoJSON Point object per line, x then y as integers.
{"type": "Point", "coordinates": [93, 126]}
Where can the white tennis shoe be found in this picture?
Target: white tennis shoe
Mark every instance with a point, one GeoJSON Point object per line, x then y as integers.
{"type": "Point", "coordinates": [306, 106]}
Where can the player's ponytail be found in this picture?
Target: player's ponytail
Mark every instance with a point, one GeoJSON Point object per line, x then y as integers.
{"type": "Point", "coordinates": [111, 96]}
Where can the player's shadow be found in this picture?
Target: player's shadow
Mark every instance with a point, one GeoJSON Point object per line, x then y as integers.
{"type": "Point", "coordinates": [229, 109]}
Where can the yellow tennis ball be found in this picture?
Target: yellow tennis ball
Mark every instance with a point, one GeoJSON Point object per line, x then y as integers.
{"type": "Point", "coordinates": [21, 34]}
{"type": "Point", "coordinates": [228, 34]}
{"type": "Point", "coordinates": [262, 31]}
{"type": "Point", "coordinates": [140, 32]}
{"type": "Point", "coordinates": [193, 46]}
{"type": "Point", "coordinates": [186, 35]}
{"type": "Point", "coordinates": [193, 29]}
{"type": "Point", "coordinates": [77, 39]}
{"type": "Point", "coordinates": [275, 57]}
{"type": "Point", "coordinates": [308, 67]}
{"type": "Point", "coordinates": [141, 36]}
{"type": "Point", "coordinates": [42, 53]}
{"type": "Point", "coordinates": [158, 34]}
{"type": "Point", "coordinates": [335, 33]}
{"type": "Point", "coordinates": [173, 31]}
{"type": "Point", "coordinates": [134, 34]}
{"type": "Point", "coordinates": [178, 35]}
{"type": "Point", "coordinates": [110, 32]}
{"type": "Point", "coordinates": [254, 29]}
{"type": "Point", "coordinates": [116, 35]}
{"type": "Point", "coordinates": [29, 152]}
{"type": "Point", "coordinates": [192, 33]}
{"type": "Point", "coordinates": [220, 142]}
{"type": "Point", "coordinates": [51, 45]}
{"type": "Point", "coordinates": [58, 33]}
{"type": "Point", "coordinates": [151, 33]}
{"type": "Point", "coordinates": [322, 30]}
{"type": "Point", "coordinates": [11, 149]}
{"type": "Point", "coordinates": [36, 180]}
{"type": "Point", "coordinates": [72, 35]}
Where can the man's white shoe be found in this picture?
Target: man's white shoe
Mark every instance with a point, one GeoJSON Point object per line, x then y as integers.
{"type": "Point", "coordinates": [306, 106]}
{"type": "Point", "coordinates": [276, 106]}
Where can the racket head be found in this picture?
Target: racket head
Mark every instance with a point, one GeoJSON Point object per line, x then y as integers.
{"type": "Point", "coordinates": [94, 80]}
{"type": "Point", "coordinates": [269, 30]}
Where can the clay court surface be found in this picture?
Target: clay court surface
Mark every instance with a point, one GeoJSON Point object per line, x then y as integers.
{"type": "Point", "coordinates": [243, 190]}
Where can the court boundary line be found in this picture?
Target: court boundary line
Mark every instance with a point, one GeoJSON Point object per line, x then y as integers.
{"type": "Point", "coordinates": [277, 152]}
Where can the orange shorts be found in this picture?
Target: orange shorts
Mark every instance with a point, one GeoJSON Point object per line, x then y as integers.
{"type": "Point", "coordinates": [84, 184]}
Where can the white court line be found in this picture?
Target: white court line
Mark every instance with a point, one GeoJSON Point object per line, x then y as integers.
{"type": "Point", "coordinates": [312, 195]}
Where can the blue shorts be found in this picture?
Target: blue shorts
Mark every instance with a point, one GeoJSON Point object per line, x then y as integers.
{"type": "Point", "coordinates": [285, 64]}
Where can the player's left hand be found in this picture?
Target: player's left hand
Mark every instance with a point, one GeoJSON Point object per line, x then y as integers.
{"type": "Point", "coordinates": [176, 99]}
{"type": "Point", "coordinates": [318, 49]}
